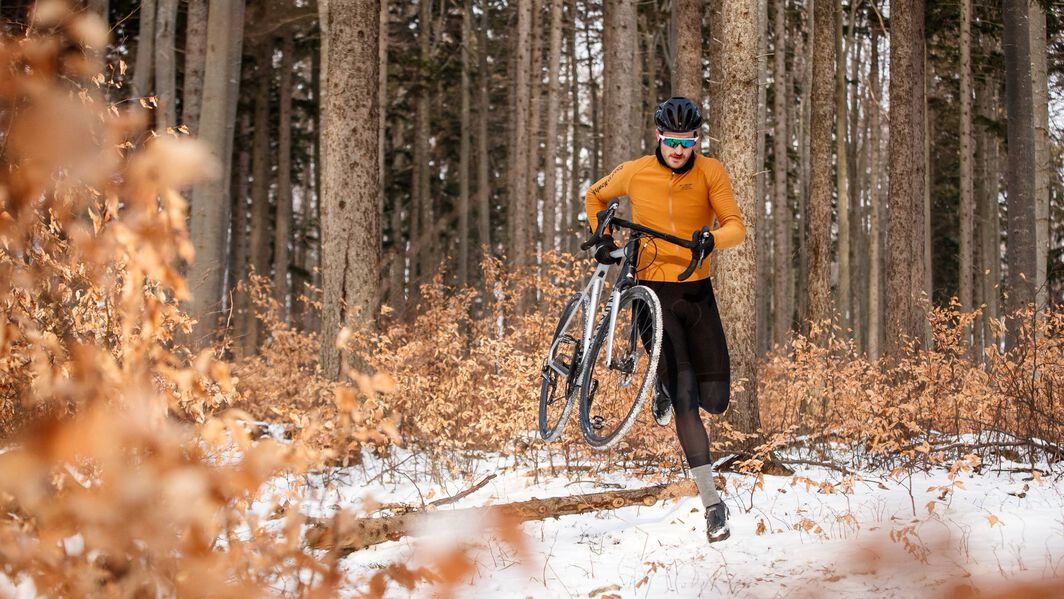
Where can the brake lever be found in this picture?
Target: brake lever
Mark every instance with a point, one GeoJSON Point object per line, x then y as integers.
{"type": "Point", "coordinates": [604, 217]}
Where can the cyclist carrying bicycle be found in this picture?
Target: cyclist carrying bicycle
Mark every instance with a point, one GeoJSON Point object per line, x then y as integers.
{"type": "Point", "coordinates": [679, 191]}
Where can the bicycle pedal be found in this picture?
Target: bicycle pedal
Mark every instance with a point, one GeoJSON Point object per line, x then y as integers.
{"type": "Point", "coordinates": [598, 422]}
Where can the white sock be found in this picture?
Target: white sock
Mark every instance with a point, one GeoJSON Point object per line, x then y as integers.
{"type": "Point", "coordinates": [707, 487]}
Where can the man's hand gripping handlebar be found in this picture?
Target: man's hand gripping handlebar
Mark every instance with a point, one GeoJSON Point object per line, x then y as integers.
{"type": "Point", "coordinates": [700, 244]}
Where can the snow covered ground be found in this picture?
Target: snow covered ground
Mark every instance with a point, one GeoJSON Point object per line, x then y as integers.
{"type": "Point", "coordinates": [791, 536]}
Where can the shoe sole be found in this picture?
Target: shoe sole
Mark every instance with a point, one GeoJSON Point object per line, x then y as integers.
{"type": "Point", "coordinates": [721, 537]}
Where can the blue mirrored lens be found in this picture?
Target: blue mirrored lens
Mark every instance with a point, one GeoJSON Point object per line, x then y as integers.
{"type": "Point", "coordinates": [674, 142]}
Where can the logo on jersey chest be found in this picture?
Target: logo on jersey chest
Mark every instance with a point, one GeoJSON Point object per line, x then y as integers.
{"type": "Point", "coordinates": [686, 187]}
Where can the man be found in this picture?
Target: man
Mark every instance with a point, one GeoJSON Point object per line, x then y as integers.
{"type": "Point", "coordinates": [678, 191]}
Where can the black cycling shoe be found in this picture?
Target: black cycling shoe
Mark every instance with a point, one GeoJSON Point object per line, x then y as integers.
{"type": "Point", "coordinates": [662, 405]}
{"type": "Point", "coordinates": [717, 522]}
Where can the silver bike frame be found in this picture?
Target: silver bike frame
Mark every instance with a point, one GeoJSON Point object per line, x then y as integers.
{"type": "Point", "coordinates": [595, 285]}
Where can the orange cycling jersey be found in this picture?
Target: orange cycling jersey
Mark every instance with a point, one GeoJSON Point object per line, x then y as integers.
{"type": "Point", "coordinates": [676, 203]}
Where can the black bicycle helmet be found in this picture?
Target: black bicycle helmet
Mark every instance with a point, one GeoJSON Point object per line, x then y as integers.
{"type": "Point", "coordinates": [678, 114]}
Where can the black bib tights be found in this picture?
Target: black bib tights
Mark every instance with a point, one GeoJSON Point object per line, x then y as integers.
{"type": "Point", "coordinates": [694, 364]}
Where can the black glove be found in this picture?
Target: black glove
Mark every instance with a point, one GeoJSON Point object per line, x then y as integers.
{"type": "Point", "coordinates": [706, 247]}
{"type": "Point", "coordinates": [603, 249]}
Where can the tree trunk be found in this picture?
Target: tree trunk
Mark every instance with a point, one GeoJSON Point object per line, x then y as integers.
{"type": "Point", "coordinates": [875, 258]}
{"type": "Point", "coordinates": [571, 228]}
{"type": "Point", "coordinates": [518, 176]}
{"type": "Point", "coordinates": [535, 131]}
{"type": "Point", "coordinates": [737, 268]}
{"type": "Point", "coordinates": [483, 113]}
{"type": "Point", "coordinates": [351, 241]}
{"type": "Point", "coordinates": [819, 202]}
{"type": "Point", "coordinates": [686, 31]}
{"type": "Point", "coordinates": [1022, 260]}
{"type": "Point", "coordinates": [781, 208]}
{"type": "Point", "coordinates": [650, 91]}
{"type": "Point", "coordinates": [282, 230]}
{"type": "Point", "coordinates": [238, 238]}
{"type": "Point", "coordinates": [618, 55]}
{"type": "Point", "coordinates": [905, 259]}
{"type": "Point", "coordinates": [991, 238]}
{"type": "Point", "coordinates": [142, 67]}
{"type": "Point", "coordinates": [195, 56]}
{"type": "Point", "coordinates": [348, 533]}
{"type": "Point", "coordinates": [596, 154]}
{"type": "Point", "coordinates": [395, 224]}
{"type": "Point", "coordinates": [1043, 162]}
{"type": "Point", "coordinates": [550, 154]}
{"type": "Point", "coordinates": [845, 309]}
{"type": "Point", "coordinates": [464, 149]}
{"type": "Point", "coordinates": [165, 69]}
{"type": "Point", "coordinates": [764, 248]}
{"type": "Point", "coordinates": [421, 219]}
{"type": "Point", "coordinates": [209, 212]}
{"type": "Point", "coordinates": [967, 203]}
{"type": "Point", "coordinates": [260, 188]}
{"type": "Point", "coordinates": [805, 114]}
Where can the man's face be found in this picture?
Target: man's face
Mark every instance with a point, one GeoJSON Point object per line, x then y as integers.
{"type": "Point", "coordinates": [677, 156]}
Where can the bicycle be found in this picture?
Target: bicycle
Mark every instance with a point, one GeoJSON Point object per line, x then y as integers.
{"type": "Point", "coordinates": [630, 323]}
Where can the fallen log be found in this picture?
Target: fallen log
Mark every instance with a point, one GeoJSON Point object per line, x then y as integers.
{"type": "Point", "coordinates": [346, 532]}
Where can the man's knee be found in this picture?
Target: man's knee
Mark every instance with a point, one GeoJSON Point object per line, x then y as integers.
{"type": "Point", "coordinates": [715, 395]}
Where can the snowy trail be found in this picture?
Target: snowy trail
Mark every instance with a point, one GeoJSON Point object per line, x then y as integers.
{"type": "Point", "coordinates": [788, 539]}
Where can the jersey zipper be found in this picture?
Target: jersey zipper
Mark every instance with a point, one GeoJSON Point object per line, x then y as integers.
{"type": "Point", "coordinates": [672, 221]}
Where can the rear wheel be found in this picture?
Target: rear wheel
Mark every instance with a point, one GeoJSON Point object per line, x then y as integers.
{"type": "Point", "coordinates": [618, 377]}
{"type": "Point", "coordinates": [560, 376]}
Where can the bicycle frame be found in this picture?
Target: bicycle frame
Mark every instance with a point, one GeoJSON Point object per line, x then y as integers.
{"type": "Point", "coordinates": [593, 291]}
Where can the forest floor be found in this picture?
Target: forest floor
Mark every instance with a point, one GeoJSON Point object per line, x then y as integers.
{"type": "Point", "coordinates": [812, 534]}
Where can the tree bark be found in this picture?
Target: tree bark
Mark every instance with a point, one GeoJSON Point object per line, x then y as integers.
{"type": "Point", "coordinates": [142, 67]}
{"type": "Point", "coordinates": [818, 234]}
{"type": "Point", "coordinates": [875, 235]}
{"type": "Point", "coordinates": [991, 238]}
{"type": "Point", "coordinates": [165, 69]}
{"type": "Point", "coordinates": [967, 203]}
{"type": "Point", "coordinates": [259, 248]}
{"type": "Point", "coordinates": [845, 309]}
{"type": "Point", "coordinates": [737, 268]}
{"type": "Point", "coordinates": [351, 240]}
{"type": "Point", "coordinates": [348, 533]}
{"type": "Point", "coordinates": [618, 55]}
{"type": "Point", "coordinates": [535, 132]}
{"type": "Point", "coordinates": [550, 154]}
{"type": "Point", "coordinates": [195, 57]}
{"type": "Point", "coordinates": [422, 253]}
{"type": "Point", "coordinates": [905, 258]}
{"type": "Point", "coordinates": [596, 154]}
{"type": "Point", "coordinates": [209, 214]}
{"type": "Point", "coordinates": [764, 248]}
{"type": "Point", "coordinates": [805, 112]}
{"type": "Point", "coordinates": [518, 176]}
{"type": "Point", "coordinates": [483, 112]}
{"type": "Point", "coordinates": [238, 238]}
{"type": "Point", "coordinates": [781, 209]}
{"type": "Point", "coordinates": [1043, 162]}
{"type": "Point", "coordinates": [571, 228]}
{"type": "Point", "coordinates": [464, 148]}
{"type": "Point", "coordinates": [282, 231]}
{"type": "Point", "coordinates": [686, 31]}
{"type": "Point", "coordinates": [1022, 259]}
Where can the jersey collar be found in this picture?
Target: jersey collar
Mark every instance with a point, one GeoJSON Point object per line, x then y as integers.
{"type": "Point", "coordinates": [679, 171]}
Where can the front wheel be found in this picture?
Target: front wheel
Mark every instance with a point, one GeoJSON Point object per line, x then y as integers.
{"type": "Point", "coordinates": [620, 367]}
{"type": "Point", "coordinates": [560, 375]}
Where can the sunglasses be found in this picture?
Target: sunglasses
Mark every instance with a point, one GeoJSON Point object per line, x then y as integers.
{"type": "Point", "coordinates": [678, 142]}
